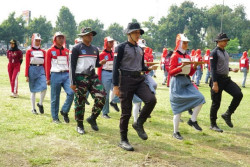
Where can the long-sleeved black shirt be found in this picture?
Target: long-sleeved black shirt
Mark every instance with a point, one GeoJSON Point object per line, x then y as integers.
{"type": "Point", "coordinates": [83, 60]}
{"type": "Point", "coordinates": [129, 58]}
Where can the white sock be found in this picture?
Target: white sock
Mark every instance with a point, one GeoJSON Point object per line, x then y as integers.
{"type": "Point", "coordinates": [196, 111]}
{"type": "Point", "coordinates": [136, 108]}
{"type": "Point", "coordinates": [33, 100]}
{"type": "Point", "coordinates": [176, 121]}
{"type": "Point", "coordinates": [42, 96]}
{"type": "Point", "coordinates": [112, 95]}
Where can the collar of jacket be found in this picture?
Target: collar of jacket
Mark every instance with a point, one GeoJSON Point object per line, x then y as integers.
{"type": "Point", "coordinates": [62, 48]}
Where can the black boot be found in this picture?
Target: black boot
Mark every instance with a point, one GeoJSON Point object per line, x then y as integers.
{"type": "Point", "coordinates": [227, 117]}
{"type": "Point", "coordinates": [215, 127]}
{"type": "Point", "coordinates": [80, 127]}
{"type": "Point", "coordinates": [65, 116]}
{"type": "Point", "coordinates": [92, 121]}
{"type": "Point", "coordinates": [41, 110]}
{"type": "Point", "coordinates": [124, 143]}
{"type": "Point", "coordinates": [138, 126]}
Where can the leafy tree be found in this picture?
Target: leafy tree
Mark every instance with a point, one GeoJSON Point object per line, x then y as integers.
{"type": "Point", "coordinates": [233, 46]}
{"type": "Point", "coordinates": [97, 26]}
{"type": "Point", "coordinates": [66, 24]}
{"type": "Point", "coordinates": [116, 31]}
{"type": "Point", "coordinates": [12, 28]}
{"type": "Point", "coordinates": [42, 26]}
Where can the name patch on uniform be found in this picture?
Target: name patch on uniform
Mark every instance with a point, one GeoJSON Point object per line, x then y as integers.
{"type": "Point", "coordinates": [53, 53]}
{"type": "Point", "coordinates": [179, 60]}
{"type": "Point", "coordinates": [66, 53]}
{"type": "Point", "coordinates": [83, 51]}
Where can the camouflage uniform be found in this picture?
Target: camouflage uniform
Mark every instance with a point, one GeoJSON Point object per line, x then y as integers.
{"type": "Point", "coordinates": [92, 84]}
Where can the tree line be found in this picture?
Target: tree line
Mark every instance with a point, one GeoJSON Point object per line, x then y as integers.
{"type": "Point", "coordinates": [201, 25]}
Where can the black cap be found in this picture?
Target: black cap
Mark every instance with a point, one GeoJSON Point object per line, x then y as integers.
{"type": "Point", "coordinates": [221, 37]}
{"type": "Point", "coordinates": [133, 27]}
{"type": "Point", "coordinates": [87, 30]}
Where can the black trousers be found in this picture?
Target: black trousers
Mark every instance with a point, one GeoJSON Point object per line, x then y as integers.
{"type": "Point", "coordinates": [226, 84]}
{"type": "Point", "coordinates": [130, 85]}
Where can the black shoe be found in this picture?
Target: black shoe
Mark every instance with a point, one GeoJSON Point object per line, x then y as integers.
{"type": "Point", "coordinates": [190, 111]}
{"type": "Point", "coordinates": [126, 146]}
{"type": "Point", "coordinates": [92, 122]}
{"type": "Point", "coordinates": [80, 130]}
{"type": "Point", "coordinates": [194, 124]}
{"type": "Point", "coordinates": [181, 120]}
{"type": "Point", "coordinates": [34, 112]}
{"type": "Point", "coordinates": [216, 128]}
{"type": "Point", "coordinates": [114, 105]}
{"type": "Point", "coordinates": [140, 131]}
{"type": "Point", "coordinates": [154, 76]}
{"type": "Point", "coordinates": [57, 121]}
{"type": "Point", "coordinates": [65, 116]}
{"type": "Point", "coordinates": [87, 102]}
{"type": "Point", "coordinates": [41, 110]}
{"type": "Point", "coordinates": [227, 117]}
{"type": "Point", "coordinates": [106, 116]}
{"type": "Point", "coordinates": [178, 136]}
{"type": "Point", "coordinates": [163, 83]}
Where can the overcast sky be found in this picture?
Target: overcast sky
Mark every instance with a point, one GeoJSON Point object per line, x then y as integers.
{"type": "Point", "coordinates": [107, 11]}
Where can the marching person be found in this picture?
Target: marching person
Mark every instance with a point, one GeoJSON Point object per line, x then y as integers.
{"type": "Point", "coordinates": [183, 94]}
{"type": "Point", "coordinates": [163, 57]}
{"type": "Point", "coordinates": [206, 60]}
{"type": "Point", "coordinates": [15, 57]}
{"type": "Point", "coordinates": [220, 81]}
{"type": "Point", "coordinates": [84, 59]}
{"type": "Point", "coordinates": [128, 80]}
{"type": "Point", "coordinates": [57, 75]}
{"type": "Point", "coordinates": [167, 65]}
{"type": "Point", "coordinates": [35, 72]}
{"type": "Point", "coordinates": [105, 72]}
{"type": "Point", "coordinates": [244, 67]}
{"type": "Point", "coordinates": [199, 70]}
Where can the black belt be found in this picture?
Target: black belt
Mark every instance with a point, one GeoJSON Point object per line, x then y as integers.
{"type": "Point", "coordinates": [131, 73]}
{"type": "Point", "coordinates": [107, 70]}
{"type": "Point", "coordinates": [184, 75]}
{"type": "Point", "coordinates": [222, 76]}
{"type": "Point", "coordinates": [64, 71]}
{"type": "Point", "coordinates": [36, 64]}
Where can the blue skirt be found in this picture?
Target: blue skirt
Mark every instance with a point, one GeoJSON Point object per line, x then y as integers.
{"type": "Point", "coordinates": [183, 94]}
{"type": "Point", "coordinates": [37, 79]}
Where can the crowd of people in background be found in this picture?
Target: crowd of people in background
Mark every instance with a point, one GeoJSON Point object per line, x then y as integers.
{"type": "Point", "coordinates": [124, 75]}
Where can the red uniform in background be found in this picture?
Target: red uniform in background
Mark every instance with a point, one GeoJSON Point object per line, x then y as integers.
{"type": "Point", "coordinates": [15, 57]}
{"type": "Point", "coordinates": [244, 61]}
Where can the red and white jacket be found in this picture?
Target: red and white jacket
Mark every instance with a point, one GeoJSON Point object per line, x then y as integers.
{"type": "Point", "coordinates": [109, 56]}
{"type": "Point", "coordinates": [34, 56]}
{"type": "Point", "coordinates": [198, 58]}
{"type": "Point", "coordinates": [176, 61]}
{"type": "Point", "coordinates": [244, 61]}
{"type": "Point", "coordinates": [57, 60]}
{"type": "Point", "coordinates": [206, 59]}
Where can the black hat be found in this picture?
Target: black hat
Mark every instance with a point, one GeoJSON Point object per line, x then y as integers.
{"type": "Point", "coordinates": [221, 37]}
{"type": "Point", "coordinates": [133, 27]}
{"type": "Point", "coordinates": [87, 30]}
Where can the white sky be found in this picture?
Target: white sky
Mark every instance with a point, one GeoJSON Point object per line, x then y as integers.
{"type": "Point", "coordinates": [107, 11]}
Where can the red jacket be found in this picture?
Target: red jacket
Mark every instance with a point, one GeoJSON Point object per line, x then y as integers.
{"type": "Point", "coordinates": [206, 59]}
{"type": "Point", "coordinates": [15, 56]}
{"type": "Point", "coordinates": [163, 56]}
{"type": "Point", "coordinates": [244, 61]}
{"type": "Point", "coordinates": [109, 56]}
{"type": "Point", "coordinates": [175, 63]}
{"type": "Point", "coordinates": [198, 57]}
{"type": "Point", "coordinates": [51, 55]}
{"type": "Point", "coordinates": [30, 55]}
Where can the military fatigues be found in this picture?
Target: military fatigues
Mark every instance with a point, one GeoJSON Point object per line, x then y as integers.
{"type": "Point", "coordinates": [83, 61]}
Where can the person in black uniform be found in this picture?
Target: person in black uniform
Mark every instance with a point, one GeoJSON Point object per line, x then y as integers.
{"type": "Point", "coordinates": [129, 80]}
{"type": "Point", "coordinates": [220, 81]}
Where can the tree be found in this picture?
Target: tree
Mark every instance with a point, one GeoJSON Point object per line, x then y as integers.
{"type": "Point", "coordinates": [42, 26]}
{"type": "Point", "coordinates": [233, 46]}
{"type": "Point", "coordinates": [97, 26]}
{"type": "Point", "coordinates": [116, 31]}
{"type": "Point", "coordinates": [12, 28]}
{"type": "Point", "coordinates": [66, 24]}
{"type": "Point", "coordinates": [245, 40]}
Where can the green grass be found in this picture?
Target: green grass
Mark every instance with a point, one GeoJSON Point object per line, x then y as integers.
{"type": "Point", "coordinates": [33, 140]}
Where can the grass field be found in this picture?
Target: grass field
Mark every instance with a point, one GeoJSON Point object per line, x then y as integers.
{"type": "Point", "coordinates": [33, 140]}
